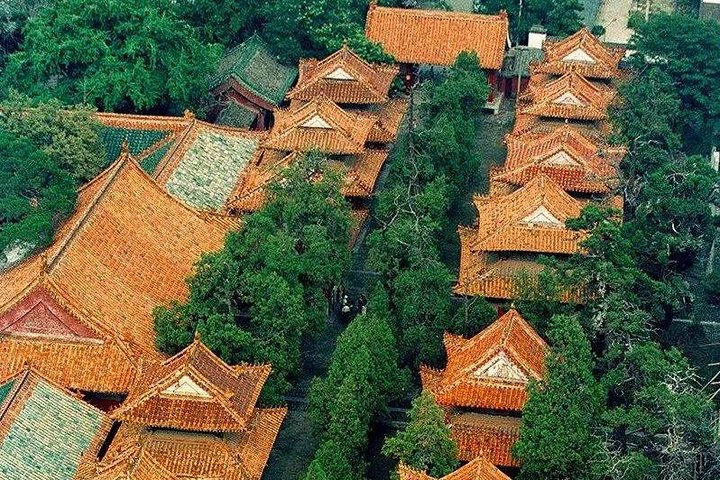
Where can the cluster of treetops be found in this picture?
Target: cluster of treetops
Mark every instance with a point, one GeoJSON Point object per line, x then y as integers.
{"type": "Point", "coordinates": [619, 399]}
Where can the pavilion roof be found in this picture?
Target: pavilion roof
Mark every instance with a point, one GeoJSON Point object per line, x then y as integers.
{"type": "Point", "coordinates": [129, 237]}
{"type": "Point", "coordinates": [530, 219]}
{"type": "Point", "coordinates": [45, 431]}
{"type": "Point", "coordinates": [344, 77]}
{"type": "Point", "coordinates": [491, 436]}
{"type": "Point", "coordinates": [254, 68]}
{"type": "Point", "coordinates": [477, 469]}
{"type": "Point", "coordinates": [319, 125]}
{"type": "Point", "coordinates": [195, 391]}
{"type": "Point", "coordinates": [73, 348]}
{"type": "Point", "coordinates": [195, 161]}
{"type": "Point", "coordinates": [388, 118]}
{"type": "Point", "coordinates": [138, 453]}
{"type": "Point", "coordinates": [437, 37]}
{"type": "Point", "coordinates": [582, 53]}
{"type": "Point", "coordinates": [482, 275]}
{"type": "Point", "coordinates": [530, 126]}
{"type": "Point", "coordinates": [490, 370]}
{"type": "Point", "coordinates": [571, 96]}
{"type": "Point", "coordinates": [570, 159]}
{"type": "Point", "coordinates": [360, 172]}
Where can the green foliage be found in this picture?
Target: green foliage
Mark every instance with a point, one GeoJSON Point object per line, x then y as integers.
{"type": "Point", "coordinates": [364, 375]}
{"type": "Point", "coordinates": [128, 55]}
{"type": "Point", "coordinates": [559, 17]}
{"type": "Point", "coordinates": [330, 463]}
{"type": "Point", "coordinates": [298, 29]}
{"type": "Point", "coordinates": [70, 136]}
{"type": "Point", "coordinates": [35, 194]}
{"type": "Point", "coordinates": [267, 289]}
{"type": "Point", "coordinates": [425, 444]}
{"type": "Point", "coordinates": [218, 21]}
{"type": "Point", "coordinates": [472, 315]}
{"type": "Point", "coordinates": [667, 194]}
{"type": "Point", "coordinates": [558, 436]}
{"type": "Point", "coordinates": [14, 14]}
{"type": "Point", "coordinates": [412, 212]}
{"type": "Point", "coordinates": [685, 49]}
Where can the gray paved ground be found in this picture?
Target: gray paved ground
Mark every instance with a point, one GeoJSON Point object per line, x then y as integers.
{"type": "Point", "coordinates": [614, 16]}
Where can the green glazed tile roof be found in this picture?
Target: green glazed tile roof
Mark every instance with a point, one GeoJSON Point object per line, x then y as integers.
{"type": "Point", "coordinates": [517, 61]}
{"type": "Point", "coordinates": [138, 140]}
{"type": "Point", "coordinates": [252, 65]}
{"type": "Point", "coordinates": [208, 172]}
{"type": "Point", "coordinates": [48, 437]}
{"type": "Point", "coordinates": [151, 162]}
{"type": "Point", "coordinates": [235, 115]}
{"type": "Point", "coordinates": [5, 389]}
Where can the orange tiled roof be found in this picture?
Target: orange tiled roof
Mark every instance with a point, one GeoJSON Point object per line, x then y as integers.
{"type": "Point", "coordinates": [360, 172]}
{"type": "Point", "coordinates": [141, 454]}
{"type": "Point", "coordinates": [492, 369]}
{"type": "Point", "coordinates": [481, 275]}
{"type": "Point", "coordinates": [477, 469]}
{"type": "Point", "coordinates": [387, 117]}
{"type": "Point", "coordinates": [319, 125]}
{"type": "Point", "coordinates": [531, 219]}
{"type": "Point", "coordinates": [128, 247]}
{"type": "Point", "coordinates": [582, 53]}
{"type": "Point", "coordinates": [571, 160]}
{"type": "Point", "coordinates": [344, 78]}
{"type": "Point", "coordinates": [491, 436]}
{"type": "Point", "coordinates": [571, 96]}
{"type": "Point", "coordinates": [437, 36]}
{"type": "Point", "coordinates": [196, 391]}
{"type": "Point", "coordinates": [535, 126]}
{"type": "Point", "coordinates": [42, 328]}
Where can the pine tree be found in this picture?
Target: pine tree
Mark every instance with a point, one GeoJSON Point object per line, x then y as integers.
{"type": "Point", "coordinates": [425, 444]}
{"type": "Point", "coordinates": [559, 434]}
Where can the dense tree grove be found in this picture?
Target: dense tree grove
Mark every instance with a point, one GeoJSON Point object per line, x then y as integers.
{"type": "Point", "coordinates": [425, 444]}
{"type": "Point", "coordinates": [69, 135]}
{"type": "Point", "coordinates": [156, 56]}
{"type": "Point", "coordinates": [559, 17]}
{"type": "Point", "coordinates": [426, 176]}
{"type": "Point", "coordinates": [268, 288]}
{"type": "Point", "coordinates": [48, 151]}
{"type": "Point", "coordinates": [121, 55]}
{"type": "Point", "coordinates": [35, 194]}
{"type": "Point", "coordinates": [364, 376]}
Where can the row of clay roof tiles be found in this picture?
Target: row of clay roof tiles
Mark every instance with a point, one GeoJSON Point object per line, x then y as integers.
{"type": "Point", "coordinates": [80, 312]}
{"type": "Point", "coordinates": [549, 164]}
{"type": "Point", "coordinates": [484, 385]}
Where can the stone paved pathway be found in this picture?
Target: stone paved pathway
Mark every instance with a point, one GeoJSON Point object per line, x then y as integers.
{"type": "Point", "coordinates": [614, 17]}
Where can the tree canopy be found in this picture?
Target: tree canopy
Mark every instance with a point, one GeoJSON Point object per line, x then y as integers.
{"type": "Point", "coordinates": [267, 289]}
{"type": "Point", "coordinates": [120, 55]}
{"type": "Point", "coordinates": [559, 17]}
{"type": "Point", "coordinates": [686, 50]}
{"type": "Point", "coordinates": [35, 194]}
{"type": "Point", "coordinates": [69, 135]}
{"type": "Point", "coordinates": [425, 444]}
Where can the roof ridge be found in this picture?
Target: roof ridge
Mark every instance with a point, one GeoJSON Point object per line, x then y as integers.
{"type": "Point", "coordinates": [114, 170]}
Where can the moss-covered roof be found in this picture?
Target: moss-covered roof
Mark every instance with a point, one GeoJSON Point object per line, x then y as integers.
{"type": "Point", "coordinates": [517, 61]}
{"type": "Point", "coordinates": [48, 435]}
{"type": "Point", "coordinates": [208, 171]}
{"type": "Point", "coordinates": [236, 115]}
{"type": "Point", "coordinates": [253, 66]}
